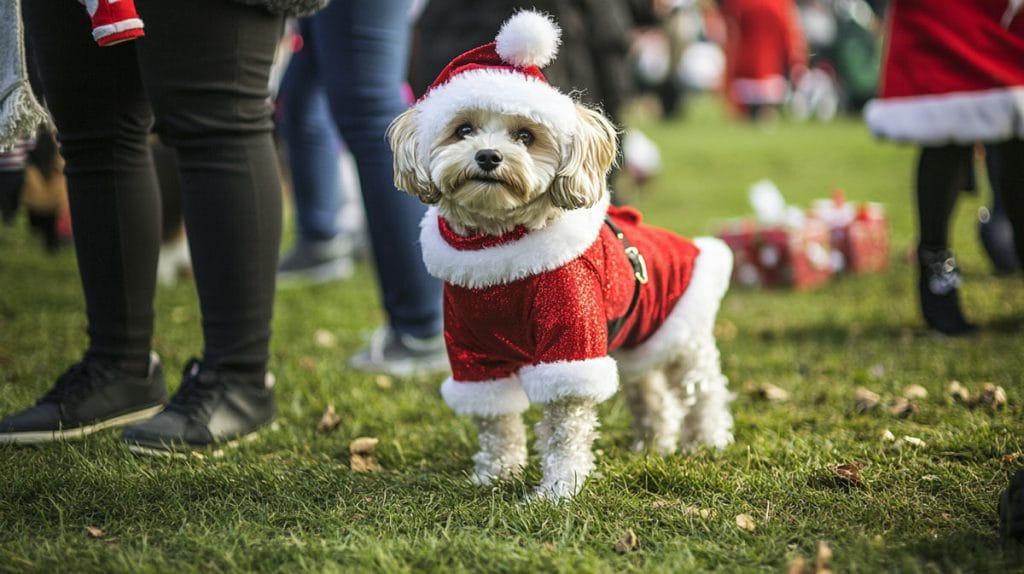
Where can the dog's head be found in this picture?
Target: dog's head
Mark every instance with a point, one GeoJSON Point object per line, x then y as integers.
{"type": "Point", "coordinates": [494, 146]}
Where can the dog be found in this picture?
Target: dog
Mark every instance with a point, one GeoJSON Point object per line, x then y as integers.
{"type": "Point", "coordinates": [552, 296]}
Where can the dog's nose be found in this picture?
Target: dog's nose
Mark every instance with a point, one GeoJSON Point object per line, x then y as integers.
{"type": "Point", "coordinates": [488, 159]}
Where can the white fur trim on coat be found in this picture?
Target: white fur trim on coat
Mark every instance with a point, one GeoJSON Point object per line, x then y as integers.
{"type": "Point", "coordinates": [503, 91]}
{"type": "Point", "coordinates": [961, 117]}
{"type": "Point", "coordinates": [693, 315]}
{"type": "Point", "coordinates": [551, 247]}
{"type": "Point", "coordinates": [485, 398]}
{"type": "Point", "coordinates": [596, 379]}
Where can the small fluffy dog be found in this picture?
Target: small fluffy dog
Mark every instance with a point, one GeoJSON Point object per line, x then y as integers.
{"type": "Point", "coordinates": [552, 296]}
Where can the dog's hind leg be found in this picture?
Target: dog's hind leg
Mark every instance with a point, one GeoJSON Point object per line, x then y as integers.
{"type": "Point", "coordinates": [565, 437]}
{"type": "Point", "coordinates": [502, 452]}
{"type": "Point", "coordinates": [657, 413]}
{"type": "Point", "coordinates": [702, 389]}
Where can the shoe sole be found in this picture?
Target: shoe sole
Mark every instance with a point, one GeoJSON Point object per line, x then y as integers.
{"type": "Point", "coordinates": [39, 437]}
{"type": "Point", "coordinates": [199, 452]}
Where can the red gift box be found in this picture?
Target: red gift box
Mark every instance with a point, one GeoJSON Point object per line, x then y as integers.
{"type": "Point", "coordinates": [859, 238]}
{"type": "Point", "coordinates": [779, 256]}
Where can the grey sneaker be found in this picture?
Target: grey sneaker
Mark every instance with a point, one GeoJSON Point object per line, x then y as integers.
{"type": "Point", "coordinates": [312, 262]}
{"type": "Point", "coordinates": [402, 355]}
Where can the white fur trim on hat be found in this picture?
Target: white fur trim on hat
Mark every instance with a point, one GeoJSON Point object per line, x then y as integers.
{"type": "Point", "coordinates": [528, 39]}
{"type": "Point", "coordinates": [551, 247]}
{"type": "Point", "coordinates": [961, 117]}
{"type": "Point", "coordinates": [498, 90]}
{"type": "Point", "coordinates": [485, 398]}
{"type": "Point", "coordinates": [596, 379]}
{"type": "Point", "coordinates": [693, 315]}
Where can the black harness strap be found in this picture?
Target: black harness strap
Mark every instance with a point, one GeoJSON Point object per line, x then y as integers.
{"type": "Point", "coordinates": [639, 274]}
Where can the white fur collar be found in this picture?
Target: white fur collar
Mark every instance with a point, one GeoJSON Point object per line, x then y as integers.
{"type": "Point", "coordinates": [561, 241]}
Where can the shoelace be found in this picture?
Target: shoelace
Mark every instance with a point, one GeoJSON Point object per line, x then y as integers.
{"type": "Point", "coordinates": [77, 381]}
{"type": "Point", "coordinates": [194, 392]}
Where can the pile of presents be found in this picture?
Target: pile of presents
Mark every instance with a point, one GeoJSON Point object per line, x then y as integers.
{"type": "Point", "coordinates": [785, 246]}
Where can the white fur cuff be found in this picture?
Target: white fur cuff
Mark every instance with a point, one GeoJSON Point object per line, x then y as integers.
{"type": "Point", "coordinates": [961, 117]}
{"type": "Point", "coordinates": [485, 398]}
{"type": "Point", "coordinates": [596, 379]}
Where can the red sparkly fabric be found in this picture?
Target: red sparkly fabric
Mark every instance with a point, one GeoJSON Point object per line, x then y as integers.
{"type": "Point", "coordinates": [562, 314]}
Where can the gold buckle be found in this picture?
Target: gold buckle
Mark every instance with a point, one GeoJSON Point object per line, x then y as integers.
{"type": "Point", "coordinates": [640, 274]}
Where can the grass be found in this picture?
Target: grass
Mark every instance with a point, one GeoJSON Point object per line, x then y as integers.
{"type": "Point", "coordinates": [289, 502]}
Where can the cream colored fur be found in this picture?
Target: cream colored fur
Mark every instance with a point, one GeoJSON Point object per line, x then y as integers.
{"type": "Point", "coordinates": [673, 382]}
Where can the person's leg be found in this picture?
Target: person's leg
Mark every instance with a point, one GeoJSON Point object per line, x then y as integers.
{"type": "Point", "coordinates": [206, 69]}
{"type": "Point", "coordinates": [940, 173]}
{"type": "Point", "coordinates": [99, 107]}
{"type": "Point", "coordinates": [361, 57]}
{"type": "Point", "coordinates": [994, 227]}
{"type": "Point", "coordinates": [1011, 186]}
{"type": "Point", "coordinates": [319, 253]}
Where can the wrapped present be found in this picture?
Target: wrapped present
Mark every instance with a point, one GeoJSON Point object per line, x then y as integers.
{"type": "Point", "coordinates": [859, 235]}
{"type": "Point", "coordinates": [779, 255]}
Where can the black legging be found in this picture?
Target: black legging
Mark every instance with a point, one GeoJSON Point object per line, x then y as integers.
{"type": "Point", "coordinates": [943, 171]}
{"type": "Point", "coordinates": [202, 71]}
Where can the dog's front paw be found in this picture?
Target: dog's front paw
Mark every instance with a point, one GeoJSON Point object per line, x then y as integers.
{"type": "Point", "coordinates": [488, 469]}
{"type": "Point", "coordinates": [557, 491]}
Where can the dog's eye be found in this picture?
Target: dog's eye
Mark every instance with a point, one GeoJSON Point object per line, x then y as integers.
{"type": "Point", "coordinates": [464, 131]}
{"type": "Point", "coordinates": [524, 136]}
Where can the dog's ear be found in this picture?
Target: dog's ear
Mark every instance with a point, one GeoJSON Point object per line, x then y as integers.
{"type": "Point", "coordinates": [410, 176]}
{"type": "Point", "coordinates": [581, 178]}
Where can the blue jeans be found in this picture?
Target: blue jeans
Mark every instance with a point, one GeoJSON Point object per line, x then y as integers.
{"type": "Point", "coordinates": [359, 51]}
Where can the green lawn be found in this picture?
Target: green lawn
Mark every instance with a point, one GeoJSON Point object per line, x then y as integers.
{"type": "Point", "coordinates": [289, 501]}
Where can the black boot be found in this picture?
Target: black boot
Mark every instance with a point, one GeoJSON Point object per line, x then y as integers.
{"type": "Point", "coordinates": [997, 238]}
{"type": "Point", "coordinates": [938, 288]}
{"type": "Point", "coordinates": [211, 409]}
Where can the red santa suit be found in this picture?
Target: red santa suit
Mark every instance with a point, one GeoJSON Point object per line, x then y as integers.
{"type": "Point", "coordinates": [527, 313]}
{"type": "Point", "coordinates": [953, 71]}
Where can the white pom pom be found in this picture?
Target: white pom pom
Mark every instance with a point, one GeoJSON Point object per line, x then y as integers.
{"type": "Point", "coordinates": [528, 39]}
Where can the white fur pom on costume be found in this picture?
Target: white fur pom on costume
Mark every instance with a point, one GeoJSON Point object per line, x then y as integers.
{"type": "Point", "coordinates": [528, 39]}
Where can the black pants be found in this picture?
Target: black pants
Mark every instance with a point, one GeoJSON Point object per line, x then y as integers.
{"type": "Point", "coordinates": [942, 172]}
{"type": "Point", "coordinates": [201, 73]}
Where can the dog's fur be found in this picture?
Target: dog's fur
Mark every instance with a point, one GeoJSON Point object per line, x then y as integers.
{"type": "Point", "coordinates": [677, 402]}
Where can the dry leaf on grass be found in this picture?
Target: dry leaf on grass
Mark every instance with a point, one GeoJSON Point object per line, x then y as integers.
{"type": "Point", "coordinates": [627, 542]}
{"type": "Point", "coordinates": [799, 565]}
{"type": "Point", "coordinates": [902, 408]}
{"type": "Point", "coordinates": [887, 436]}
{"type": "Point", "coordinates": [329, 420]}
{"type": "Point", "coordinates": [910, 441]}
{"type": "Point", "coordinates": [548, 547]}
{"type": "Point", "coordinates": [725, 330]}
{"type": "Point", "coordinates": [363, 457]}
{"type": "Point", "coordinates": [766, 391]}
{"type": "Point", "coordinates": [384, 381]}
{"type": "Point", "coordinates": [865, 399]}
{"type": "Point", "coordinates": [324, 338]}
{"type": "Point", "coordinates": [1012, 457]}
{"type": "Point", "coordinates": [958, 392]}
{"type": "Point", "coordinates": [912, 392]}
{"type": "Point", "coordinates": [992, 396]}
{"type": "Point", "coordinates": [746, 522]}
{"type": "Point", "coordinates": [94, 532]}
{"type": "Point", "coordinates": [701, 512]}
{"type": "Point", "coordinates": [307, 363]}
{"type": "Point", "coordinates": [849, 473]}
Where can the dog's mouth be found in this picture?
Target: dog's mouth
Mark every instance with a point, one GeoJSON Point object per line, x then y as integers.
{"type": "Point", "coordinates": [486, 179]}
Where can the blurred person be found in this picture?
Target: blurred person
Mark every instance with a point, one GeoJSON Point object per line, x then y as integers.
{"type": "Point", "coordinates": [765, 51]}
{"type": "Point", "coordinates": [953, 75]}
{"type": "Point", "coordinates": [354, 67]}
{"type": "Point", "coordinates": [329, 220]}
{"type": "Point", "coordinates": [202, 72]}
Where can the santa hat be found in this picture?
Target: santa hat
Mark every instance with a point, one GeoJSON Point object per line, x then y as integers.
{"type": "Point", "coordinates": [503, 76]}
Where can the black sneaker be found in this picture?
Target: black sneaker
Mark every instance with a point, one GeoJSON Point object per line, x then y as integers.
{"type": "Point", "coordinates": [210, 409]}
{"type": "Point", "coordinates": [88, 397]}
